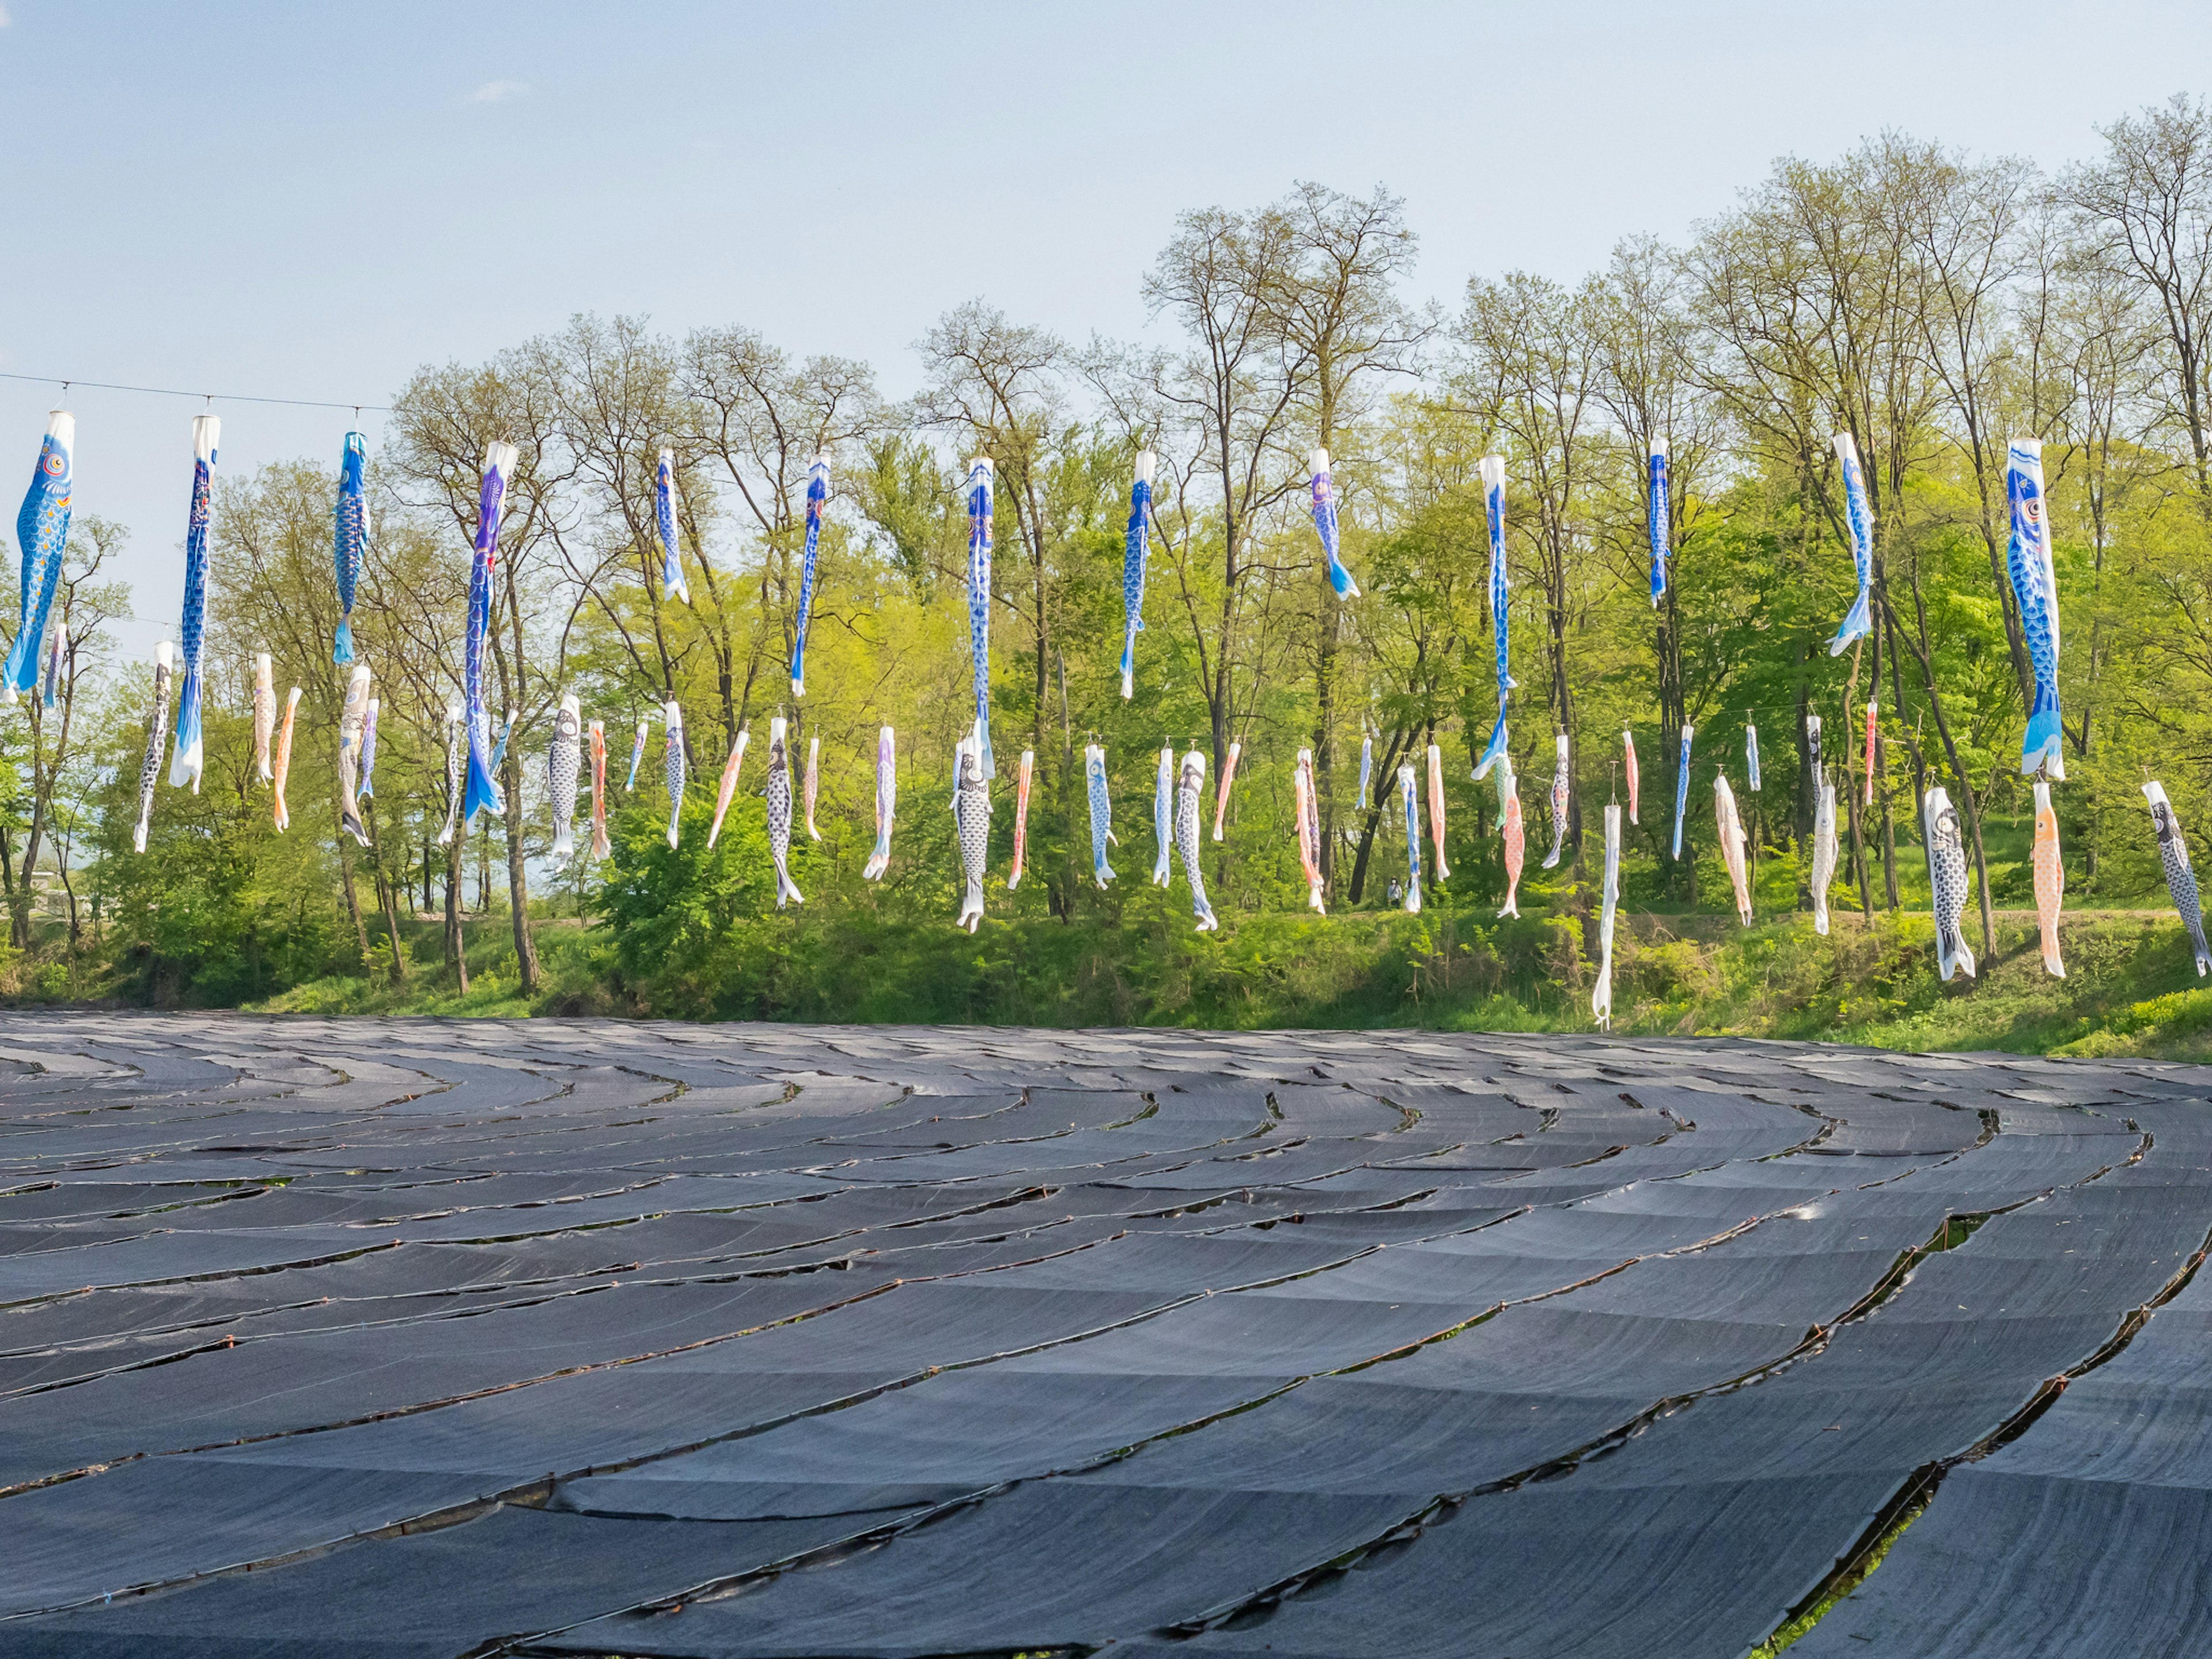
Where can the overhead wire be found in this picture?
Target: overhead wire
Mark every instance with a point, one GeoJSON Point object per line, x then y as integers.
{"type": "Point", "coordinates": [172, 391]}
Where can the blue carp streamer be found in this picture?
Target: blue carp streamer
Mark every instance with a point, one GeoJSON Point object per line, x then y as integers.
{"type": "Point", "coordinates": [1324, 515]}
{"type": "Point", "coordinates": [483, 791]}
{"type": "Point", "coordinates": [1682, 789]}
{"type": "Point", "coordinates": [2035, 585]}
{"type": "Point", "coordinates": [352, 537]}
{"type": "Point", "coordinates": [664, 515]}
{"type": "Point", "coordinates": [817, 502]}
{"type": "Point", "coordinates": [1136, 544]}
{"type": "Point", "coordinates": [1493, 496]}
{"type": "Point", "coordinates": [1102, 813]}
{"type": "Point", "coordinates": [1751, 757]}
{"type": "Point", "coordinates": [1860, 519]}
{"type": "Point", "coordinates": [1412, 839]}
{"type": "Point", "coordinates": [1657, 517]}
{"type": "Point", "coordinates": [184, 765]}
{"type": "Point", "coordinates": [42, 536]}
{"type": "Point", "coordinates": [981, 474]}
{"type": "Point", "coordinates": [1164, 789]}
{"type": "Point", "coordinates": [368, 791]}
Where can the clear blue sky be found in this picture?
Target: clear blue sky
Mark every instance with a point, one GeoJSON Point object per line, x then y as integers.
{"type": "Point", "coordinates": [311, 201]}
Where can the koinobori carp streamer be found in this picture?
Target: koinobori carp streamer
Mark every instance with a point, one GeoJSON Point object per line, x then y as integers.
{"type": "Point", "coordinates": [352, 539]}
{"type": "Point", "coordinates": [157, 742]}
{"type": "Point", "coordinates": [1102, 812]}
{"type": "Point", "coordinates": [817, 503]}
{"type": "Point", "coordinates": [982, 475]}
{"type": "Point", "coordinates": [601, 846]}
{"type": "Point", "coordinates": [971, 823]}
{"type": "Point", "coordinates": [1657, 517]}
{"type": "Point", "coordinates": [42, 538]}
{"type": "Point", "coordinates": [1136, 547]}
{"type": "Point", "coordinates": [353, 727]}
{"type": "Point", "coordinates": [264, 713]}
{"type": "Point", "coordinates": [1302, 807]}
{"type": "Point", "coordinates": [1164, 789]}
{"type": "Point", "coordinates": [2034, 573]}
{"type": "Point", "coordinates": [664, 520]}
{"type": "Point", "coordinates": [1493, 496]}
{"type": "Point", "coordinates": [1859, 517]}
{"type": "Point", "coordinates": [1601, 997]}
{"type": "Point", "coordinates": [1437, 810]}
{"type": "Point", "coordinates": [886, 805]}
{"type": "Point", "coordinates": [563, 758]}
{"type": "Point", "coordinates": [2049, 879]}
{"type": "Point", "coordinates": [283, 812]}
{"type": "Point", "coordinates": [483, 791]}
{"type": "Point", "coordinates": [1021, 816]}
{"type": "Point", "coordinates": [2180, 879]}
{"type": "Point", "coordinates": [1412, 804]}
{"type": "Point", "coordinates": [673, 768]}
{"type": "Point", "coordinates": [727, 789]}
{"type": "Point", "coordinates": [1221, 795]}
{"type": "Point", "coordinates": [1946, 881]}
{"type": "Point", "coordinates": [1324, 517]}
{"type": "Point", "coordinates": [779, 812]}
{"type": "Point", "coordinates": [1190, 806]}
{"type": "Point", "coordinates": [187, 764]}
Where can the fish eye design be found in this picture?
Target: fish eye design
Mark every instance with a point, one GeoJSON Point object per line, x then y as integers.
{"type": "Point", "coordinates": [54, 464]}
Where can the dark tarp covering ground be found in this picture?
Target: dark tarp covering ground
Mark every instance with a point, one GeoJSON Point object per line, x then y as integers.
{"type": "Point", "coordinates": [379, 1339]}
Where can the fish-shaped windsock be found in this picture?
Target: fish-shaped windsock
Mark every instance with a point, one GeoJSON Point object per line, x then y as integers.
{"type": "Point", "coordinates": [42, 537]}
{"type": "Point", "coordinates": [1682, 789]}
{"type": "Point", "coordinates": [1367, 765]}
{"type": "Point", "coordinates": [728, 788]}
{"type": "Point", "coordinates": [1751, 758]}
{"type": "Point", "coordinates": [1813, 744]}
{"type": "Point", "coordinates": [1823, 851]}
{"type": "Point", "coordinates": [2180, 879]}
{"type": "Point", "coordinates": [886, 805]}
{"type": "Point", "coordinates": [2034, 574]}
{"type": "Point", "coordinates": [1221, 795]}
{"type": "Point", "coordinates": [352, 537]}
{"type": "Point", "coordinates": [1302, 805]}
{"type": "Point", "coordinates": [2050, 879]}
{"type": "Point", "coordinates": [1729, 826]}
{"type": "Point", "coordinates": [1628, 752]}
{"type": "Point", "coordinates": [673, 772]}
{"type": "Point", "coordinates": [456, 716]}
{"type": "Point", "coordinates": [817, 503]}
{"type": "Point", "coordinates": [1859, 517]}
{"type": "Point", "coordinates": [1657, 518]}
{"type": "Point", "coordinates": [563, 760]}
{"type": "Point", "coordinates": [982, 475]}
{"type": "Point", "coordinates": [353, 725]}
{"type": "Point", "coordinates": [367, 789]}
{"type": "Point", "coordinates": [1135, 547]}
{"type": "Point", "coordinates": [1102, 812]}
{"type": "Point", "coordinates": [1412, 806]}
{"type": "Point", "coordinates": [1515, 832]}
{"type": "Point", "coordinates": [601, 845]}
{"type": "Point", "coordinates": [185, 764]}
{"type": "Point", "coordinates": [664, 519]}
{"type": "Point", "coordinates": [498, 745]}
{"type": "Point", "coordinates": [1324, 516]}
{"type": "Point", "coordinates": [1437, 810]}
{"type": "Point", "coordinates": [1602, 998]}
{"type": "Point", "coordinates": [1561, 777]}
{"type": "Point", "coordinates": [1946, 880]}
{"type": "Point", "coordinates": [1164, 789]}
{"type": "Point", "coordinates": [264, 713]}
{"type": "Point", "coordinates": [1493, 496]}
{"type": "Point", "coordinates": [1871, 735]}
{"type": "Point", "coordinates": [1021, 817]}
{"type": "Point", "coordinates": [1190, 806]}
{"type": "Point", "coordinates": [813, 784]}
{"type": "Point", "coordinates": [779, 812]}
{"type": "Point", "coordinates": [483, 791]}
{"type": "Point", "coordinates": [283, 813]}
{"type": "Point", "coordinates": [637, 754]}
{"type": "Point", "coordinates": [57, 662]}
{"type": "Point", "coordinates": [157, 744]}
{"type": "Point", "coordinates": [971, 821]}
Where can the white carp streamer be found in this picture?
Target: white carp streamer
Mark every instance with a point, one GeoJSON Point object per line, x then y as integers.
{"type": "Point", "coordinates": [887, 804]}
{"type": "Point", "coordinates": [1602, 998]}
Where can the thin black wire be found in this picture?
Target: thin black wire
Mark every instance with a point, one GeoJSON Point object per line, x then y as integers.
{"type": "Point", "coordinates": [170, 392]}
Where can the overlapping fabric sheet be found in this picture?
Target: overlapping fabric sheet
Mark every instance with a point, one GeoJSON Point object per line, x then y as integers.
{"type": "Point", "coordinates": [460, 1335]}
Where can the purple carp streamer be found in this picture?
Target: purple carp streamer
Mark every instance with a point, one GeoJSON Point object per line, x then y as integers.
{"type": "Point", "coordinates": [1859, 517]}
{"type": "Point", "coordinates": [2034, 576]}
{"type": "Point", "coordinates": [672, 769]}
{"type": "Point", "coordinates": [1190, 809]}
{"type": "Point", "coordinates": [817, 502]}
{"type": "Point", "coordinates": [1658, 521]}
{"type": "Point", "coordinates": [1493, 496]}
{"type": "Point", "coordinates": [1602, 998]}
{"type": "Point", "coordinates": [663, 518]}
{"type": "Point", "coordinates": [1561, 779]}
{"type": "Point", "coordinates": [1164, 789]}
{"type": "Point", "coordinates": [886, 805]}
{"type": "Point", "coordinates": [2180, 879]}
{"type": "Point", "coordinates": [562, 763]}
{"type": "Point", "coordinates": [1682, 788]}
{"type": "Point", "coordinates": [283, 812]}
{"type": "Point", "coordinates": [157, 744]}
{"type": "Point", "coordinates": [42, 537]}
{"type": "Point", "coordinates": [352, 537]}
{"type": "Point", "coordinates": [779, 812]}
{"type": "Point", "coordinates": [369, 752]}
{"type": "Point", "coordinates": [637, 753]}
{"type": "Point", "coordinates": [971, 820]}
{"type": "Point", "coordinates": [729, 784]}
{"type": "Point", "coordinates": [185, 765]}
{"type": "Point", "coordinates": [353, 724]}
{"type": "Point", "coordinates": [1135, 547]}
{"type": "Point", "coordinates": [1412, 839]}
{"type": "Point", "coordinates": [1324, 517]}
{"type": "Point", "coordinates": [483, 791]}
{"type": "Point", "coordinates": [58, 658]}
{"type": "Point", "coordinates": [981, 477]}
{"type": "Point", "coordinates": [456, 716]}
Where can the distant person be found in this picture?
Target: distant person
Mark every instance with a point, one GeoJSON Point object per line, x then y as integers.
{"type": "Point", "coordinates": [1397, 891]}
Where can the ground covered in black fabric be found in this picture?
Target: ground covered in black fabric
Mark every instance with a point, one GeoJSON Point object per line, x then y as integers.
{"type": "Point", "coordinates": [399, 1338]}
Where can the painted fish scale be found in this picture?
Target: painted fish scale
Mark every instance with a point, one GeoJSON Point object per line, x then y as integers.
{"type": "Point", "coordinates": [1190, 806]}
